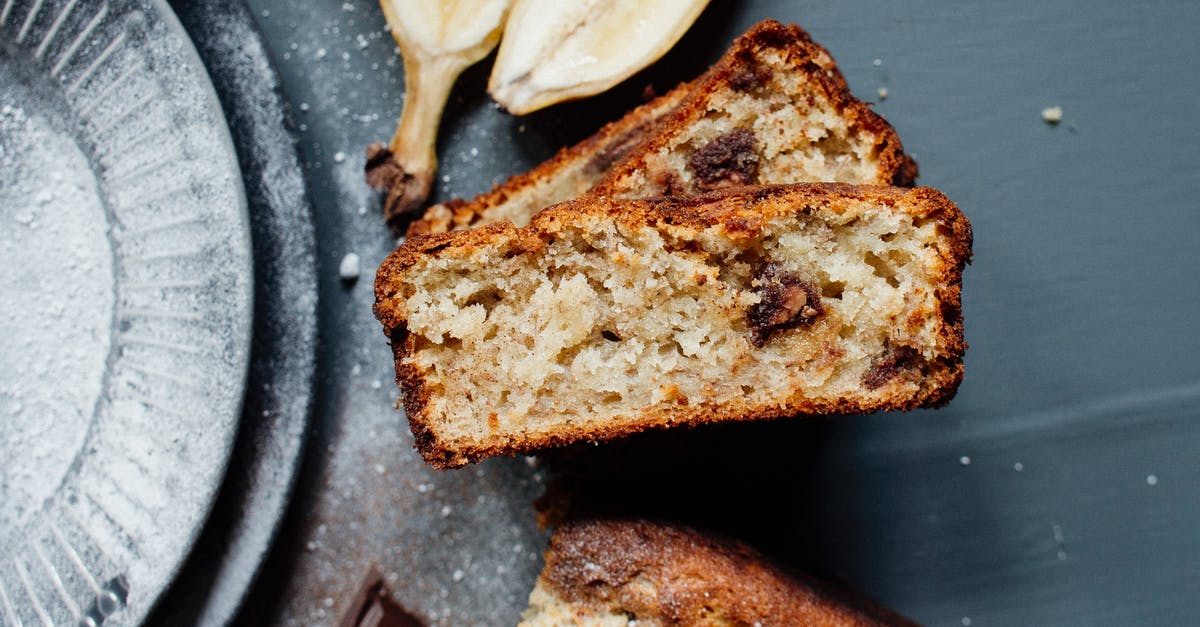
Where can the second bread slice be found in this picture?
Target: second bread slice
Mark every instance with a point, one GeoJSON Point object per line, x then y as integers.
{"type": "Point", "coordinates": [604, 317]}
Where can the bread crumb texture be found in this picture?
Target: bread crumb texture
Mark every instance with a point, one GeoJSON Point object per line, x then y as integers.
{"type": "Point", "coordinates": [785, 126]}
{"type": "Point", "coordinates": [605, 317]}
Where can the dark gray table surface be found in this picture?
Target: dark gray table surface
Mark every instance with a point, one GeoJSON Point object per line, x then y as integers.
{"type": "Point", "coordinates": [1062, 485]}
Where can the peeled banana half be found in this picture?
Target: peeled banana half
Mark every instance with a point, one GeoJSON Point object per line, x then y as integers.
{"type": "Point", "coordinates": [438, 40]}
{"type": "Point", "coordinates": [467, 29]}
{"type": "Point", "coordinates": [552, 50]}
{"type": "Point", "coordinates": [555, 50]}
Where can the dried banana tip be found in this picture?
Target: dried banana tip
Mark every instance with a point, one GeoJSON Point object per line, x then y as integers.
{"type": "Point", "coordinates": [406, 191]}
{"type": "Point", "coordinates": [382, 171]}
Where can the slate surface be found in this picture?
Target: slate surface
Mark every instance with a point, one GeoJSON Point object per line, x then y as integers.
{"type": "Point", "coordinates": [279, 399]}
{"type": "Point", "coordinates": [1060, 487]}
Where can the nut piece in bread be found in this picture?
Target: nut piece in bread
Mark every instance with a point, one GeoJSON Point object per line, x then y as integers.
{"type": "Point", "coordinates": [606, 317]}
{"type": "Point", "coordinates": [621, 571]}
{"type": "Point", "coordinates": [774, 109]}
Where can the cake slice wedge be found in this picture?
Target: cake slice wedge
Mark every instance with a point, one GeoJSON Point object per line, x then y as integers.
{"type": "Point", "coordinates": [774, 109]}
{"type": "Point", "coordinates": [606, 317]}
{"type": "Point", "coordinates": [626, 571]}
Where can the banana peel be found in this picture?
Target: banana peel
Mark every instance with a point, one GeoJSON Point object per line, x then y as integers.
{"type": "Point", "coordinates": [438, 39]}
{"type": "Point", "coordinates": [554, 50]}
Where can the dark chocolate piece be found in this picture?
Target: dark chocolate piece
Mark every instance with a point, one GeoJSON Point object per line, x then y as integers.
{"type": "Point", "coordinates": [750, 78]}
{"type": "Point", "coordinates": [892, 364]}
{"type": "Point", "coordinates": [372, 606]}
{"type": "Point", "coordinates": [618, 149]}
{"type": "Point", "coordinates": [728, 160]}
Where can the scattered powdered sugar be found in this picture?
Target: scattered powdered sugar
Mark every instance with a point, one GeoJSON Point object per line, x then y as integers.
{"type": "Point", "coordinates": [417, 525]}
{"type": "Point", "coordinates": [278, 400]}
{"type": "Point", "coordinates": [56, 301]}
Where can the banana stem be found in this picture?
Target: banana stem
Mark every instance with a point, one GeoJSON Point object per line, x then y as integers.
{"type": "Point", "coordinates": [407, 166]}
{"type": "Point", "coordinates": [427, 86]}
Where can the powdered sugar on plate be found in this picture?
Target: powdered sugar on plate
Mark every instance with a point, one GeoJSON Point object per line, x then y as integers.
{"type": "Point", "coordinates": [126, 306]}
{"type": "Point", "coordinates": [56, 303]}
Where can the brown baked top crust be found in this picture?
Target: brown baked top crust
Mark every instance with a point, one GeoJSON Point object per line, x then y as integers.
{"type": "Point", "coordinates": [681, 576]}
{"type": "Point", "coordinates": [737, 213]}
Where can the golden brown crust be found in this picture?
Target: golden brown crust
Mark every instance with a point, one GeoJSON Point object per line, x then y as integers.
{"type": "Point", "coordinates": [610, 144]}
{"type": "Point", "coordinates": [805, 56]}
{"type": "Point", "coordinates": [740, 212]}
{"type": "Point", "coordinates": [651, 570]}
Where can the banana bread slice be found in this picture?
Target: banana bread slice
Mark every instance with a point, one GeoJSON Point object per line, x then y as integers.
{"type": "Point", "coordinates": [774, 109]}
{"type": "Point", "coordinates": [625, 571]}
{"type": "Point", "coordinates": [605, 317]}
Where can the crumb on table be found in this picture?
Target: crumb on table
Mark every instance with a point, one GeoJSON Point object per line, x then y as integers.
{"type": "Point", "coordinates": [348, 269]}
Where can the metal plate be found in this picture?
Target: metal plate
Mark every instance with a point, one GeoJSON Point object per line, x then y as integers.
{"type": "Point", "coordinates": [127, 290]}
{"type": "Point", "coordinates": [1059, 487]}
{"type": "Point", "coordinates": [267, 455]}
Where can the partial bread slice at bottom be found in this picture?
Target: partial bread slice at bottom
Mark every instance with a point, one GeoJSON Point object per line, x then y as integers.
{"type": "Point", "coordinates": [621, 571]}
{"type": "Point", "coordinates": [607, 317]}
